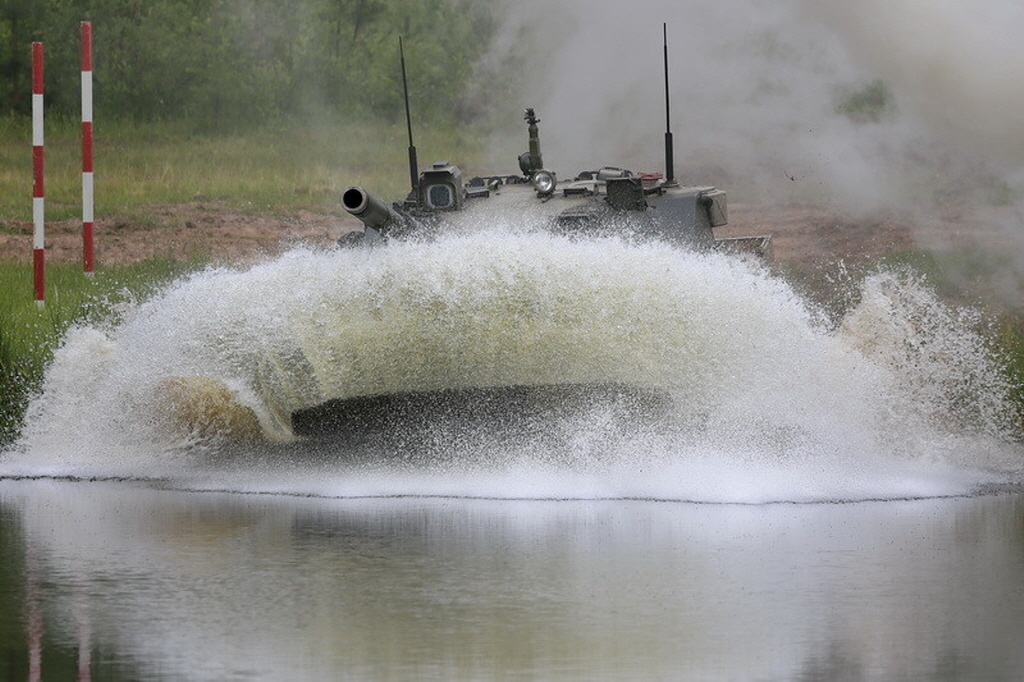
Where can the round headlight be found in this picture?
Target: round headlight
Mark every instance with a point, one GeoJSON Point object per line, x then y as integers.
{"type": "Point", "coordinates": [544, 182]}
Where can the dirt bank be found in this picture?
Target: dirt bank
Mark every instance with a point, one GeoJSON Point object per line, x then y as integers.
{"type": "Point", "coordinates": [178, 232]}
{"type": "Point", "coordinates": [804, 236]}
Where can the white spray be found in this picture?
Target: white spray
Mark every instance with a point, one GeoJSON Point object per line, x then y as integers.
{"type": "Point", "coordinates": [901, 400]}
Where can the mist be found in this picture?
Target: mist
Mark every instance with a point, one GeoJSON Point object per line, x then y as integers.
{"type": "Point", "coordinates": [952, 63]}
{"type": "Point", "coordinates": [904, 110]}
{"type": "Point", "coordinates": [761, 93]}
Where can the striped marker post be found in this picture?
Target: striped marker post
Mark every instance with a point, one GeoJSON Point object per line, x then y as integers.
{"type": "Point", "coordinates": [38, 236]}
{"type": "Point", "coordinates": [87, 202]}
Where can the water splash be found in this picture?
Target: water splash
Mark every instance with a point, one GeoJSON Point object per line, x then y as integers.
{"type": "Point", "coordinates": [902, 399]}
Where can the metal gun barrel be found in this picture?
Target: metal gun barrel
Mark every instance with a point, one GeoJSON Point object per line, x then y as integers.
{"type": "Point", "coordinates": [369, 209]}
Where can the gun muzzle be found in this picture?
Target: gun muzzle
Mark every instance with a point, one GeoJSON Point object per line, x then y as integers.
{"type": "Point", "coordinates": [371, 210]}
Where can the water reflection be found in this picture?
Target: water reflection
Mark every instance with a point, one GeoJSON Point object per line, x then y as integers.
{"type": "Point", "coordinates": [123, 581]}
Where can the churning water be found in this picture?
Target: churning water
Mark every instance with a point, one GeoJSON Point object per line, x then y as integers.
{"type": "Point", "coordinates": [772, 402]}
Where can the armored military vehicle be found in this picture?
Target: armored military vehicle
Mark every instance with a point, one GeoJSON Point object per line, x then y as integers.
{"type": "Point", "coordinates": [605, 200]}
{"type": "Point", "coordinates": [458, 345]}
{"type": "Point", "coordinates": [595, 202]}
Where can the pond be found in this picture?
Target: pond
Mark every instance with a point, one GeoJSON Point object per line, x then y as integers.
{"type": "Point", "coordinates": [131, 581]}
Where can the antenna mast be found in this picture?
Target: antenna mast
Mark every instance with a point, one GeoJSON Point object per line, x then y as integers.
{"type": "Point", "coordinates": [413, 165]}
{"type": "Point", "coordinates": [670, 173]}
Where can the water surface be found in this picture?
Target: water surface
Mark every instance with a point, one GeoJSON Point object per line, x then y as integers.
{"type": "Point", "coordinates": [127, 581]}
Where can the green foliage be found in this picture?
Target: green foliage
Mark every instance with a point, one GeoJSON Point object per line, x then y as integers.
{"type": "Point", "coordinates": [1010, 346]}
{"type": "Point", "coordinates": [29, 334]}
{"type": "Point", "coordinates": [220, 64]}
{"type": "Point", "coordinates": [870, 102]}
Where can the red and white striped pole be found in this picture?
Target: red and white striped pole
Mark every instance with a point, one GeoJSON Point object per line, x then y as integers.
{"type": "Point", "coordinates": [39, 236]}
{"type": "Point", "coordinates": [87, 204]}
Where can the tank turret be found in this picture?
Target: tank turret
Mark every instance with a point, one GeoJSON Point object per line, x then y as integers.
{"type": "Point", "coordinates": [608, 200]}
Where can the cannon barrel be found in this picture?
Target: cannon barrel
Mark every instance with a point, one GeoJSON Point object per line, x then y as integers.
{"type": "Point", "coordinates": [371, 210]}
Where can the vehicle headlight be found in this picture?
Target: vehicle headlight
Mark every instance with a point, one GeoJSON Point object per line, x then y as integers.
{"type": "Point", "coordinates": [440, 195]}
{"type": "Point", "coordinates": [544, 182]}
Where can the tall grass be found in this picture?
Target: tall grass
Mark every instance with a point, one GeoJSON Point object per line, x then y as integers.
{"type": "Point", "coordinates": [30, 334]}
{"type": "Point", "coordinates": [1009, 345]}
{"type": "Point", "coordinates": [267, 170]}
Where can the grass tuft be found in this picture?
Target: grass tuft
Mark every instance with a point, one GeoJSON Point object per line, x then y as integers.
{"type": "Point", "coordinates": [30, 334]}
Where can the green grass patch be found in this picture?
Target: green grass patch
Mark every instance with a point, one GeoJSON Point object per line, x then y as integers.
{"type": "Point", "coordinates": [1011, 339]}
{"type": "Point", "coordinates": [262, 171]}
{"type": "Point", "coordinates": [30, 334]}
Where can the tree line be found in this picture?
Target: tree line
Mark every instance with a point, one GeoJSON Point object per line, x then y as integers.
{"type": "Point", "coordinates": [216, 64]}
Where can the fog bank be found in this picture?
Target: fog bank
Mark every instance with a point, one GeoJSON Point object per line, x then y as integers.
{"type": "Point", "coordinates": [773, 99]}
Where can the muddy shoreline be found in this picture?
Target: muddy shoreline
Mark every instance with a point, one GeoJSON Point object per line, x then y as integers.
{"type": "Point", "coordinates": [804, 236]}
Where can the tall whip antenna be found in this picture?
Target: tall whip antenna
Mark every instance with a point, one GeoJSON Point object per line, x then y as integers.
{"type": "Point", "coordinates": [413, 165]}
{"type": "Point", "coordinates": [670, 172]}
